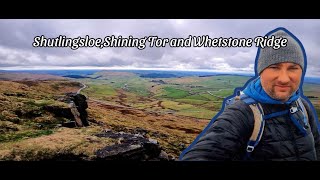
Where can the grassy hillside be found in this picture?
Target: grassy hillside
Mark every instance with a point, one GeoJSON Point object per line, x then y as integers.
{"type": "Point", "coordinates": [28, 132]}
{"type": "Point", "coordinates": [21, 109]}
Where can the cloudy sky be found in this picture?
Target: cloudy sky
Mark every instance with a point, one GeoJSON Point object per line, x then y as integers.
{"type": "Point", "coordinates": [17, 36]}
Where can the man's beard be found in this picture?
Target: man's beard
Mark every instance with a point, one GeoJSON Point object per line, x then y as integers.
{"type": "Point", "coordinates": [272, 93]}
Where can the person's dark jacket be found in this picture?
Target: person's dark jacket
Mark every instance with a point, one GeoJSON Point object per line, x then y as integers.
{"type": "Point", "coordinates": [227, 137]}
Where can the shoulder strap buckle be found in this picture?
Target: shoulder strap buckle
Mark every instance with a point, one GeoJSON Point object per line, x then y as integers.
{"type": "Point", "coordinates": [250, 148]}
{"type": "Point", "coordinates": [293, 109]}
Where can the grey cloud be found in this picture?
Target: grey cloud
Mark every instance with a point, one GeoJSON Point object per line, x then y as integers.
{"type": "Point", "coordinates": [16, 37]}
{"type": "Point", "coordinates": [242, 59]}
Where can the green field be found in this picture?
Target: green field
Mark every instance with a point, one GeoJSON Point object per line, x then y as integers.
{"type": "Point", "coordinates": [99, 91]}
{"type": "Point", "coordinates": [170, 92]}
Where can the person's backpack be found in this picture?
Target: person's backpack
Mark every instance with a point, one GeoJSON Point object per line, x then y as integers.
{"type": "Point", "coordinates": [260, 117]}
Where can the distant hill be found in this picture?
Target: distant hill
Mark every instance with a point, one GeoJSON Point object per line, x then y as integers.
{"type": "Point", "coordinates": [75, 76]}
{"type": "Point", "coordinates": [114, 73]}
{"type": "Point", "coordinates": [158, 75]}
{"type": "Point", "coordinates": [210, 75]}
{"type": "Point", "coordinates": [313, 80]}
{"type": "Point", "coordinates": [8, 76]}
{"type": "Point", "coordinates": [55, 72]}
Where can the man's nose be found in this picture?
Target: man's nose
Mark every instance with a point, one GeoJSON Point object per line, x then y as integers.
{"type": "Point", "coordinates": [283, 77]}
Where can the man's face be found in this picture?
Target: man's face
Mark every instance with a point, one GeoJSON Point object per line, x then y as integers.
{"type": "Point", "coordinates": [281, 80]}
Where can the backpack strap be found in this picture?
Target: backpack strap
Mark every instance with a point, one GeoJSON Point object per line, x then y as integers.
{"type": "Point", "coordinates": [304, 110]}
{"type": "Point", "coordinates": [258, 125]}
{"type": "Point", "coordinates": [259, 122]}
{"type": "Point", "coordinates": [257, 128]}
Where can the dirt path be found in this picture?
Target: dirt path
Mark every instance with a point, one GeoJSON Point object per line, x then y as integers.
{"type": "Point", "coordinates": [83, 87]}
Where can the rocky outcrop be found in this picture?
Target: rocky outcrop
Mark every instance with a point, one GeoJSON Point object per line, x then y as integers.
{"type": "Point", "coordinates": [18, 94]}
{"type": "Point", "coordinates": [131, 147]}
{"type": "Point", "coordinates": [75, 112]}
{"type": "Point", "coordinates": [21, 113]}
{"type": "Point", "coordinates": [59, 111]}
{"type": "Point", "coordinates": [80, 103]}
